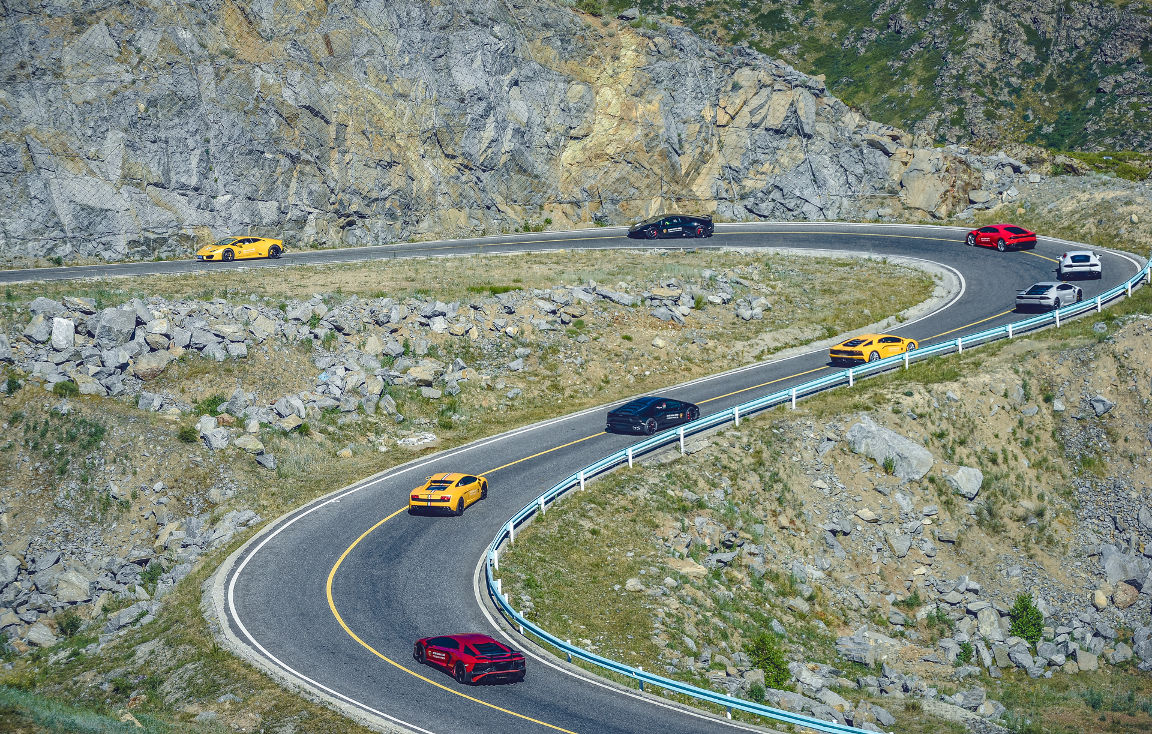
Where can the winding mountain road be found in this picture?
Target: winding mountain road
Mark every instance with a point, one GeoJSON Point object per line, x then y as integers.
{"type": "Point", "coordinates": [330, 597]}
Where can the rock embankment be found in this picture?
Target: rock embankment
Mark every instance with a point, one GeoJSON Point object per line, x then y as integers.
{"type": "Point", "coordinates": [301, 127]}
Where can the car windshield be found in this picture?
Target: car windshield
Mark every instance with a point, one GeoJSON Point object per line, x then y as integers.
{"type": "Point", "coordinates": [489, 648]}
{"type": "Point", "coordinates": [1037, 290]}
{"type": "Point", "coordinates": [1081, 258]}
{"type": "Point", "coordinates": [224, 242]}
{"type": "Point", "coordinates": [439, 484]}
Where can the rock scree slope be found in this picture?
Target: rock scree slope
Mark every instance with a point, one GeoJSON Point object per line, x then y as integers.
{"type": "Point", "coordinates": [137, 130]}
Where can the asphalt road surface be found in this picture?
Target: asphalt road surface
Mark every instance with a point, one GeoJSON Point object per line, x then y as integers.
{"type": "Point", "coordinates": [339, 620]}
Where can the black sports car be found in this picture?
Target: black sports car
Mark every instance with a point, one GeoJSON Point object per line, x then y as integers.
{"type": "Point", "coordinates": [648, 415]}
{"type": "Point", "coordinates": [672, 225]}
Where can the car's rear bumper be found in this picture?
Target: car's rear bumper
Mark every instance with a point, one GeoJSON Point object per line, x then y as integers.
{"type": "Point", "coordinates": [414, 505]}
{"type": "Point", "coordinates": [1028, 303]}
{"type": "Point", "coordinates": [617, 427]}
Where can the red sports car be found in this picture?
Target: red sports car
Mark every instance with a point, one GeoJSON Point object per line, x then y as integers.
{"type": "Point", "coordinates": [471, 658]}
{"type": "Point", "coordinates": [1002, 237]}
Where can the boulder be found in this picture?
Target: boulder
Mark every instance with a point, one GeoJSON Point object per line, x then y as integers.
{"type": "Point", "coordinates": [9, 568]}
{"type": "Point", "coordinates": [251, 444]}
{"type": "Point", "coordinates": [115, 326]}
{"type": "Point", "coordinates": [40, 636]}
{"type": "Point", "coordinates": [5, 349]}
{"type": "Point", "coordinates": [688, 567]}
{"type": "Point", "coordinates": [63, 334]}
{"type": "Point", "coordinates": [73, 587]}
{"type": "Point", "coordinates": [46, 306]}
{"type": "Point", "coordinates": [967, 481]}
{"type": "Point", "coordinates": [910, 460]}
{"type": "Point", "coordinates": [148, 366]}
{"type": "Point", "coordinates": [1125, 595]}
{"type": "Point", "coordinates": [38, 330]}
{"type": "Point", "coordinates": [216, 439]}
{"type": "Point", "coordinates": [1101, 405]}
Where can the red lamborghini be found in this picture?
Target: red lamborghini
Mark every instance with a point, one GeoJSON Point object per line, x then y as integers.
{"type": "Point", "coordinates": [471, 658]}
{"type": "Point", "coordinates": [1002, 237]}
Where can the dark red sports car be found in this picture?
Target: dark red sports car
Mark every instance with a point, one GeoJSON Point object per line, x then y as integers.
{"type": "Point", "coordinates": [471, 658]}
{"type": "Point", "coordinates": [1002, 237]}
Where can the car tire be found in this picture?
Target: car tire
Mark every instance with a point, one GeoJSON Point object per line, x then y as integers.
{"type": "Point", "coordinates": [650, 427]}
{"type": "Point", "coordinates": [1001, 245]}
{"type": "Point", "coordinates": [911, 346]}
{"type": "Point", "coordinates": [1056, 305]}
{"type": "Point", "coordinates": [484, 490]}
{"type": "Point", "coordinates": [874, 357]}
{"type": "Point", "coordinates": [460, 674]}
{"type": "Point", "coordinates": [693, 414]}
{"type": "Point", "coordinates": [699, 231]}
{"type": "Point", "coordinates": [274, 252]}
{"type": "Point", "coordinates": [228, 256]}
{"type": "Point", "coordinates": [419, 654]}
{"type": "Point", "coordinates": [459, 507]}
{"type": "Point", "coordinates": [1079, 295]}
{"type": "Point", "coordinates": [650, 234]}
{"type": "Point", "coordinates": [971, 240]}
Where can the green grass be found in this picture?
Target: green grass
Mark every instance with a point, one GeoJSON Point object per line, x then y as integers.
{"type": "Point", "coordinates": [22, 710]}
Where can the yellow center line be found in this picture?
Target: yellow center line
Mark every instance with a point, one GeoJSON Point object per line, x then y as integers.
{"type": "Point", "coordinates": [1042, 257]}
{"type": "Point", "coordinates": [546, 451]}
{"type": "Point", "coordinates": [965, 326]}
{"type": "Point", "coordinates": [762, 384]}
{"type": "Point", "coordinates": [390, 661]}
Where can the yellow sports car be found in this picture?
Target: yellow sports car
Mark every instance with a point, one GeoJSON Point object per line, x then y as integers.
{"type": "Point", "coordinates": [451, 492]}
{"type": "Point", "coordinates": [870, 348]}
{"type": "Point", "coordinates": [239, 248]}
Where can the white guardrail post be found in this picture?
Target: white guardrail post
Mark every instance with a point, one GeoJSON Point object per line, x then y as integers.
{"type": "Point", "coordinates": [905, 359]}
{"type": "Point", "coordinates": [1057, 312]}
{"type": "Point", "coordinates": [728, 702]}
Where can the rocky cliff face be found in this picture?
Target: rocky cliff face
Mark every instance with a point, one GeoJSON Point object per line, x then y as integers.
{"type": "Point", "coordinates": [1067, 75]}
{"type": "Point", "coordinates": [132, 130]}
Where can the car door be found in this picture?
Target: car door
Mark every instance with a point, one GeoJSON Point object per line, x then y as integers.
{"type": "Point", "coordinates": [438, 651]}
{"type": "Point", "coordinates": [672, 227]}
{"type": "Point", "coordinates": [1066, 292]}
{"type": "Point", "coordinates": [470, 488]}
{"type": "Point", "coordinates": [986, 236]}
{"type": "Point", "coordinates": [890, 345]}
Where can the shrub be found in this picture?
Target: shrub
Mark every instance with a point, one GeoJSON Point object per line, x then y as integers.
{"type": "Point", "coordinates": [913, 601]}
{"type": "Point", "coordinates": [305, 429]}
{"type": "Point", "coordinates": [1027, 621]}
{"type": "Point", "coordinates": [756, 692]}
{"type": "Point", "coordinates": [966, 653]}
{"type": "Point", "coordinates": [12, 385]}
{"type": "Point", "coordinates": [65, 389]}
{"type": "Point", "coordinates": [209, 405]}
{"type": "Point", "coordinates": [591, 7]}
{"type": "Point", "coordinates": [767, 656]}
{"type": "Point", "coordinates": [188, 434]}
{"type": "Point", "coordinates": [69, 622]}
{"type": "Point", "coordinates": [889, 465]}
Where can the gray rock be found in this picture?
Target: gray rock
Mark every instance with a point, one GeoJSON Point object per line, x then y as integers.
{"type": "Point", "coordinates": [266, 460]}
{"type": "Point", "coordinates": [1101, 405]}
{"type": "Point", "coordinates": [46, 306]}
{"type": "Point", "coordinates": [115, 327]}
{"type": "Point", "coordinates": [1122, 653]}
{"type": "Point", "coordinates": [910, 459]}
{"type": "Point", "coordinates": [216, 438]}
{"type": "Point", "coordinates": [40, 636]}
{"type": "Point", "coordinates": [900, 543]}
{"type": "Point", "coordinates": [63, 334]}
{"type": "Point", "coordinates": [1131, 570]}
{"type": "Point", "coordinates": [967, 481]}
{"type": "Point", "coordinates": [9, 568]}
{"type": "Point", "coordinates": [5, 349]}
{"type": "Point", "coordinates": [39, 329]}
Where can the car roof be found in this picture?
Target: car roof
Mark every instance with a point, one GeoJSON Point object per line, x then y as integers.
{"type": "Point", "coordinates": [640, 403]}
{"type": "Point", "coordinates": [1048, 283]}
{"type": "Point", "coordinates": [472, 638]}
{"type": "Point", "coordinates": [864, 336]}
{"type": "Point", "coordinates": [1080, 252]}
{"type": "Point", "coordinates": [445, 477]}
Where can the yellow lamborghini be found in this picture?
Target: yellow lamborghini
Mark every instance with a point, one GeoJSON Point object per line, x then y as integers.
{"type": "Point", "coordinates": [870, 348]}
{"type": "Point", "coordinates": [239, 248]}
{"type": "Point", "coordinates": [451, 492]}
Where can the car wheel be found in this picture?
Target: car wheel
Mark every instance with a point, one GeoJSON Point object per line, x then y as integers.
{"type": "Point", "coordinates": [874, 357]}
{"type": "Point", "coordinates": [459, 507]}
{"type": "Point", "coordinates": [699, 231]}
{"type": "Point", "coordinates": [484, 490]}
{"type": "Point", "coordinates": [651, 234]}
{"type": "Point", "coordinates": [1056, 304]}
{"type": "Point", "coordinates": [419, 654]}
{"type": "Point", "coordinates": [971, 241]}
{"type": "Point", "coordinates": [273, 252]}
{"type": "Point", "coordinates": [650, 426]}
{"type": "Point", "coordinates": [1079, 295]}
{"type": "Point", "coordinates": [1000, 245]}
{"type": "Point", "coordinates": [693, 414]}
{"type": "Point", "coordinates": [911, 346]}
{"type": "Point", "coordinates": [461, 674]}
{"type": "Point", "coordinates": [228, 256]}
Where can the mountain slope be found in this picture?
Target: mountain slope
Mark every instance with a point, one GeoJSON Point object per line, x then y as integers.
{"type": "Point", "coordinates": [1067, 74]}
{"type": "Point", "coordinates": [142, 128]}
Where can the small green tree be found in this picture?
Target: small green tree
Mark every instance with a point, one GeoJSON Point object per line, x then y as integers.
{"type": "Point", "coordinates": [766, 655]}
{"type": "Point", "coordinates": [966, 652]}
{"type": "Point", "coordinates": [65, 389]}
{"type": "Point", "coordinates": [69, 622]}
{"type": "Point", "coordinates": [1027, 621]}
{"type": "Point", "coordinates": [188, 434]}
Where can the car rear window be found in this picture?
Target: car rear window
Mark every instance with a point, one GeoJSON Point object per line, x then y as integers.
{"type": "Point", "coordinates": [1081, 258]}
{"type": "Point", "coordinates": [1016, 230]}
{"type": "Point", "coordinates": [489, 648]}
{"type": "Point", "coordinates": [1037, 290]}
{"type": "Point", "coordinates": [856, 342]}
{"type": "Point", "coordinates": [439, 485]}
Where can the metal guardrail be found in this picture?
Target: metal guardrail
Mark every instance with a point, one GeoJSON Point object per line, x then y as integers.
{"type": "Point", "coordinates": [734, 415]}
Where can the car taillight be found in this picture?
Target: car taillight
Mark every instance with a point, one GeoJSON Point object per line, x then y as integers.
{"type": "Point", "coordinates": [444, 498]}
{"type": "Point", "coordinates": [415, 496]}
